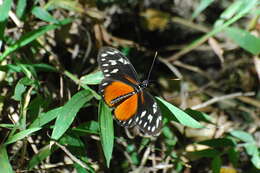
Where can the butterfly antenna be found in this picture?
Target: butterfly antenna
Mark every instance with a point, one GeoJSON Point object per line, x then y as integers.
{"type": "Point", "coordinates": [155, 56]}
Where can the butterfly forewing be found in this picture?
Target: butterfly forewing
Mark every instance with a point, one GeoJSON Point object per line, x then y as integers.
{"type": "Point", "coordinates": [115, 65]}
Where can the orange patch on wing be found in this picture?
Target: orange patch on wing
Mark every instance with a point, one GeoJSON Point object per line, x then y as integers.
{"type": "Point", "coordinates": [127, 109]}
{"type": "Point", "coordinates": [131, 80]}
{"type": "Point", "coordinates": [142, 97]}
{"type": "Point", "coordinates": [116, 89]}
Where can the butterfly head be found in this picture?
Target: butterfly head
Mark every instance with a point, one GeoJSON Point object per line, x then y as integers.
{"type": "Point", "coordinates": [144, 84]}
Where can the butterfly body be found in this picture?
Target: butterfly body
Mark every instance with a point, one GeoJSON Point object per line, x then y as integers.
{"type": "Point", "coordinates": [121, 89]}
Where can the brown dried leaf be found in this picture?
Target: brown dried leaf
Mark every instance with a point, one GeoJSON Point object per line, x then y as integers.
{"type": "Point", "coordinates": [216, 48]}
{"type": "Point", "coordinates": [155, 20]}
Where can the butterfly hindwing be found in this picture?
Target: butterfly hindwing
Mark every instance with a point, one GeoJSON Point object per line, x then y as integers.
{"type": "Point", "coordinates": [149, 118]}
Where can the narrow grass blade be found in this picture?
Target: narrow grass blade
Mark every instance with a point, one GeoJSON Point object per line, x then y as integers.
{"type": "Point", "coordinates": [244, 39]}
{"type": "Point", "coordinates": [5, 165]}
{"type": "Point", "coordinates": [20, 135]}
{"type": "Point", "coordinates": [31, 36]}
{"type": "Point", "coordinates": [92, 78]}
{"type": "Point", "coordinates": [44, 15]}
{"type": "Point", "coordinates": [216, 164]}
{"type": "Point", "coordinates": [45, 118]}
{"type": "Point", "coordinates": [20, 8]}
{"type": "Point", "coordinates": [178, 114]}
{"type": "Point", "coordinates": [40, 156]}
{"type": "Point", "coordinates": [244, 136]}
{"type": "Point", "coordinates": [202, 6]}
{"type": "Point", "coordinates": [106, 130]}
{"type": "Point", "coordinates": [69, 112]}
{"type": "Point", "coordinates": [5, 7]}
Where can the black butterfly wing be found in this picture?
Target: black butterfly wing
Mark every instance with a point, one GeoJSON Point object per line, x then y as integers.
{"type": "Point", "coordinates": [149, 118]}
{"type": "Point", "coordinates": [115, 65]}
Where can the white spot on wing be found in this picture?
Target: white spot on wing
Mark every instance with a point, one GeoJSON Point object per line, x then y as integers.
{"type": "Point", "coordinates": [129, 122]}
{"type": "Point", "coordinates": [114, 71]}
{"type": "Point", "coordinates": [149, 127]}
{"type": "Point", "coordinates": [150, 117]}
{"type": "Point", "coordinates": [103, 59]}
{"type": "Point", "coordinates": [104, 84]}
{"type": "Point", "coordinates": [106, 70]}
{"type": "Point", "coordinates": [154, 107]}
{"type": "Point", "coordinates": [107, 75]}
{"type": "Point", "coordinates": [153, 128]}
{"type": "Point", "coordinates": [113, 62]}
{"type": "Point", "coordinates": [143, 114]}
{"type": "Point", "coordinates": [145, 124]}
{"type": "Point", "coordinates": [140, 122]}
{"type": "Point", "coordinates": [103, 55]}
{"type": "Point", "coordinates": [104, 65]}
{"type": "Point", "coordinates": [111, 52]}
{"type": "Point", "coordinates": [158, 121]}
{"type": "Point", "coordinates": [124, 61]}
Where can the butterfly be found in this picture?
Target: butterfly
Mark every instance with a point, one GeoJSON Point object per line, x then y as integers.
{"type": "Point", "coordinates": [121, 90]}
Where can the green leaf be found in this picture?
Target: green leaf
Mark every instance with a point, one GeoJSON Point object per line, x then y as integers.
{"type": "Point", "coordinates": [238, 8]}
{"type": "Point", "coordinates": [31, 36]}
{"type": "Point", "coordinates": [244, 136]}
{"type": "Point", "coordinates": [44, 15]}
{"type": "Point", "coordinates": [244, 39]}
{"type": "Point", "coordinates": [21, 87]}
{"type": "Point", "coordinates": [40, 156]}
{"type": "Point", "coordinates": [18, 91]}
{"type": "Point", "coordinates": [92, 79]}
{"type": "Point", "coordinates": [4, 10]}
{"type": "Point", "coordinates": [256, 160]}
{"type": "Point", "coordinates": [247, 6]}
{"type": "Point", "coordinates": [179, 115]}
{"type": "Point", "coordinates": [20, 135]}
{"type": "Point", "coordinates": [75, 145]}
{"type": "Point", "coordinates": [202, 6]}
{"type": "Point", "coordinates": [205, 153]}
{"type": "Point", "coordinates": [45, 118]}
{"type": "Point", "coordinates": [20, 8]}
{"type": "Point", "coordinates": [79, 168]}
{"type": "Point", "coordinates": [10, 126]}
{"type": "Point", "coordinates": [233, 156]}
{"type": "Point", "coordinates": [44, 67]}
{"type": "Point", "coordinates": [219, 142]}
{"type": "Point", "coordinates": [231, 10]}
{"type": "Point", "coordinates": [91, 127]}
{"type": "Point", "coordinates": [105, 120]}
{"type": "Point", "coordinates": [199, 116]}
{"type": "Point", "coordinates": [216, 164]}
{"type": "Point", "coordinates": [5, 165]}
{"type": "Point", "coordinates": [69, 112]}
{"type": "Point", "coordinates": [252, 150]}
